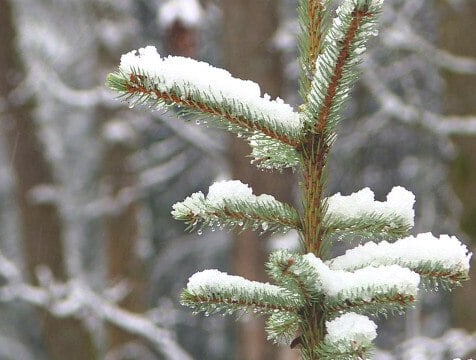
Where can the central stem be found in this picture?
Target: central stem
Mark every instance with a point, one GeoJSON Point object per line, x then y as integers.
{"type": "Point", "coordinates": [312, 331]}
{"type": "Point", "coordinates": [314, 153]}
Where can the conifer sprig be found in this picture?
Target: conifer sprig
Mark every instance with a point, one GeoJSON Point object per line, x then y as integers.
{"type": "Point", "coordinates": [348, 337]}
{"type": "Point", "coordinates": [282, 327]}
{"type": "Point", "coordinates": [315, 305]}
{"type": "Point", "coordinates": [273, 143]}
{"type": "Point", "coordinates": [384, 302]}
{"type": "Point", "coordinates": [292, 271]}
{"type": "Point", "coordinates": [371, 225]}
{"type": "Point", "coordinates": [271, 154]}
{"type": "Point", "coordinates": [343, 350]}
{"type": "Point", "coordinates": [229, 114]}
{"type": "Point", "coordinates": [336, 65]}
{"type": "Point", "coordinates": [313, 20]}
{"type": "Point", "coordinates": [440, 261]}
{"type": "Point", "coordinates": [212, 291]}
{"type": "Point", "coordinates": [236, 206]}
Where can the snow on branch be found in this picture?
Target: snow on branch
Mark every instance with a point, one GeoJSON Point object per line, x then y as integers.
{"type": "Point", "coordinates": [376, 290]}
{"type": "Point", "coordinates": [201, 89]}
{"type": "Point", "coordinates": [444, 260]}
{"type": "Point", "coordinates": [335, 72]}
{"type": "Point", "coordinates": [359, 213]}
{"type": "Point", "coordinates": [232, 204]}
{"type": "Point", "coordinates": [346, 336]}
{"type": "Point", "coordinates": [211, 291]}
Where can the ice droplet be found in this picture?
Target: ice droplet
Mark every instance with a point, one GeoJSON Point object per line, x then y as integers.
{"type": "Point", "coordinates": [131, 106]}
{"type": "Point", "coordinates": [199, 231]}
{"type": "Point", "coordinates": [197, 122]}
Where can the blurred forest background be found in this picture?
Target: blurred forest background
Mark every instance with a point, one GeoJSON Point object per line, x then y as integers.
{"type": "Point", "coordinates": [91, 263]}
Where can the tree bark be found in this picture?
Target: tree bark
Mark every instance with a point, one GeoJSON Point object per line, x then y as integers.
{"type": "Point", "coordinates": [122, 237]}
{"type": "Point", "coordinates": [459, 99]}
{"type": "Point", "coordinates": [121, 226]}
{"type": "Point", "coordinates": [248, 27]}
{"type": "Point", "coordinates": [41, 226]}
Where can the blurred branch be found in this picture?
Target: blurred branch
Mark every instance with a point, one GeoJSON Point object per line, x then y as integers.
{"type": "Point", "coordinates": [409, 114]}
{"type": "Point", "coordinates": [44, 78]}
{"type": "Point", "coordinates": [402, 37]}
{"type": "Point", "coordinates": [73, 298]}
{"type": "Point", "coordinates": [453, 343]}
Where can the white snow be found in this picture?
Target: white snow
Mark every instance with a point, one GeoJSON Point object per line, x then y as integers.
{"type": "Point", "coordinates": [351, 329]}
{"type": "Point", "coordinates": [218, 194]}
{"type": "Point", "coordinates": [362, 203]}
{"type": "Point", "coordinates": [195, 203]}
{"type": "Point", "coordinates": [207, 281]}
{"type": "Point", "coordinates": [364, 283]}
{"type": "Point", "coordinates": [187, 12]}
{"type": "Point", "coordinates": [118, 131]}
{"type": "Point", "coordinates": [446, 251]}
{"type": "Point", "coordinates": [229, 190]}
{"type": "Point", "coordinates": [193, 77]}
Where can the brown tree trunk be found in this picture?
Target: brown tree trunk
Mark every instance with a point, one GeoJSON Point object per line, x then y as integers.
{"type": "Point", "coordinates": [122, 236]}
{"type": "Point", "coordinates": [457, 36]}
{"type": "Point", "coordinates": [248, 27]}
{"type": "Point", "coordinates": [41, 227]}
{"type": "Point", "coordinates": [124, 263]}
{"type": "Point", "coordinates": [121, 225]}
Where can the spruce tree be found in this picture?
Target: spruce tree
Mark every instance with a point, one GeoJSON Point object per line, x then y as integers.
{"type": "Point", "coordinates": [318, 304]}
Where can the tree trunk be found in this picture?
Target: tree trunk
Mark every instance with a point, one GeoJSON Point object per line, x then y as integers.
{"type": "Point", "coordinates": [248, 27]}
{"type": "Point", "coordinates": [41, 227]}
{"type": "Point", "coordinates": [121, 226]}
{"type": "Point", "coordinates": [122, 236]}
{"type": "Point", "coordinates": [459, 99]}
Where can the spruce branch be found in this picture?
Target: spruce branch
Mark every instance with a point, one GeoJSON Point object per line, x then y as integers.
{"type": "Point", "coordinates": [360, 214]}
{"type": "Point", "coordinates": [212, 291]}
{"type": "Point", "coordinates": [200, 89]}
{"type": "Point", "coordinates": [273, 145]}
{"type": "Point", "coordinates": [293, 272]}
{"type": "Point", "coordinates": [335, 66]}
{"type": "Point", "coordinates": [385, 301]}
{"type": "Point", "coordinates": [348, 337]}
{"type": "Point", "coordinates": [372, 225]}
{"type": "Point", "coordinates": [271, 154]}
{"type": "Point", "coordinates": [228, 114]}
{"type": "Point", "coordinates": [343, 351]}
{"type": "Point", "coordinates": [440, 261]}
{"type": "Point", "coordinates": [231, 204]}
{"type": "Point", "coordinates": [313, 20]}
{"type": "Point", "coordinates": [282, 327]}
{"type": "Point", "coordinates": [376, 289]}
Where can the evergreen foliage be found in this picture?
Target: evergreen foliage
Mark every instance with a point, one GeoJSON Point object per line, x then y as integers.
{"type": "Point", "coordinates": [319, 305]}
